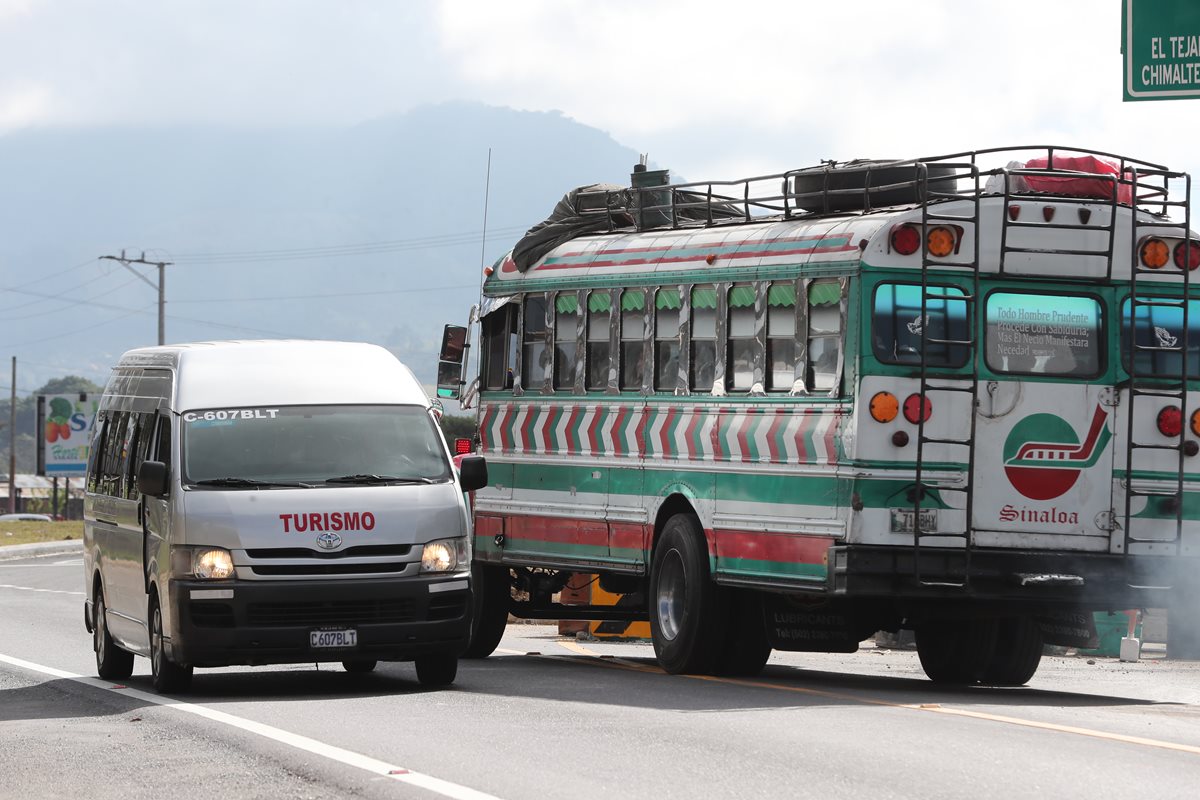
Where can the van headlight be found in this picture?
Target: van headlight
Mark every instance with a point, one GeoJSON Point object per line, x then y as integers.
{"type": "Point", "coordinates": [205, 563]}
{"type": "Point", "coordinates": [444, 555]}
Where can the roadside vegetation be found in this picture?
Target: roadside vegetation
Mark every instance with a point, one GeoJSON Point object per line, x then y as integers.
{"type": "Point", "coordinates": [17, 532]}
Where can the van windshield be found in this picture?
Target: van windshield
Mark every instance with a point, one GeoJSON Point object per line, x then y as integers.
{"type": "Point", "coordinates": [308, 445]}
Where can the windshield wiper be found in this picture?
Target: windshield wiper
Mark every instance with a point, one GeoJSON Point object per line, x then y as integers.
{"type": "Point", "coordinates": [250, 483]}
{"type": "Point", "coordinates": [370, 477]}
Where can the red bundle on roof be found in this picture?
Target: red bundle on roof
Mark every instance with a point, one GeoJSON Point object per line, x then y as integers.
{"type": "Point", "coordinates": [1080, 185]}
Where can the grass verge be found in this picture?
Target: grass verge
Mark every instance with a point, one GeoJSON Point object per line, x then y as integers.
{"type": "Point", "coordinates": [28, 532]}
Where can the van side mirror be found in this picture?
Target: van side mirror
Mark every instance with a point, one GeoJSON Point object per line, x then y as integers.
{"type": "Point", "coordinates": [472, 473]}
{"type": "Point", "coordinates": [152, 478]}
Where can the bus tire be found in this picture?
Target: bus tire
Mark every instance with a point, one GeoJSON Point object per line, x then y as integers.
{"type": "Point", "coordinates": [746, 649]}
{"type": "Point", "coordinates": [437, 670]}
{"type": "Point", "coordinates": [956, 652]}
{"type": "Point", "coordinates": [1018, 652]}
{"type": "Point", "coordinates": [490, 598]}
{"type": "Point", "coordinates": [165, 674]}
{"type": "Point", "coordinates": [112, 663]}
{"type": "Point", "coordinates": [686, 611]}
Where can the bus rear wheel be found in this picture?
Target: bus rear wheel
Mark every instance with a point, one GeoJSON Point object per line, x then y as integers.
{"type": "Point", "coordinates": [687, 616]}
{"type": "Point", "coordinates": [491, 592]}
{"type": "Point", "coordinates": [1017, 655]}
{"type": "Point", "coordinates": [956, 652]}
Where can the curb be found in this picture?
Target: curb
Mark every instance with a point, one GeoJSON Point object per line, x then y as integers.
{"type": "Point", "coordinates": [8, 552]}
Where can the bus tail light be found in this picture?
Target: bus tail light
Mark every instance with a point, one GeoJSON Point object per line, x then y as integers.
{"type": "Point", "coordinates": [1195, 422]}
{"type": "Point", "coordinates": [1187, 254]}
{"type": "Point", "coordinates": [884, 407]}
{"type": "Point", "coordinates": [940, 241]}
{"type": "Point", "coordinates": [917, 408]}
{"type": "Point", "coordinates": [462, 446]}
{"type": "Point", "coordinates": [1154, 253]}
{"type": "Point", "coordinates": [906, 240]}
{"type": "Point", "coordinates": [1170, 421]}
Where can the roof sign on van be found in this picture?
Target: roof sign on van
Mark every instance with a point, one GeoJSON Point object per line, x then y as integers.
{"type": "Point", "coordinates": [228, 414]}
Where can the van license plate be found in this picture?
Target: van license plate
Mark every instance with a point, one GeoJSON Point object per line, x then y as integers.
{"type": "Point", "coordinates": [342, 638]}
{"type": "Point", "coordinates": [904, 519]}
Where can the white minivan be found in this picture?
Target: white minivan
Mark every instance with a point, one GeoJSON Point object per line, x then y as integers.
{"type": "Point", "coordinates": [274, 502]}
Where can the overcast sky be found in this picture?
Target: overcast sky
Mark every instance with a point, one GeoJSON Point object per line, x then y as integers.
{"type": "Point", "coordinates": [712, 90]}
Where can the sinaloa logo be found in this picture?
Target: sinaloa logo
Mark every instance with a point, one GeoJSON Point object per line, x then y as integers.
{"type": "Point", "coordinates": [1043, 456]}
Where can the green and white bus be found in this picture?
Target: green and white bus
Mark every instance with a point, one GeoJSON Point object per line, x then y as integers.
{"type": "Point", "coordinates": [955, 395]}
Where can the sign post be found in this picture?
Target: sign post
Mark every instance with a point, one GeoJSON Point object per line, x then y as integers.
{"type": "Point", "coordinates": [1160, 43]}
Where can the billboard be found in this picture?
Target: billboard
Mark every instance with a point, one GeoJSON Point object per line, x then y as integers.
{"type": "Point", "coordinates": [1160, 41]}
{"type": "Point", "coordinates": [64, 426]}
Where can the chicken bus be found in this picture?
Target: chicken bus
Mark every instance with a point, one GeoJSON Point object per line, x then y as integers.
{"type": "Point", "coordinates": [952, 395]}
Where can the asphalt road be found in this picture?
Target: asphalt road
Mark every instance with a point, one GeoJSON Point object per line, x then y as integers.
{"type": "Point", "coordinates": [553, 717]}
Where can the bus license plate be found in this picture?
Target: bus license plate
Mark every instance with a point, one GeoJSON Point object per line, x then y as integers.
{"type": "Point", "coordinates": [904, 519]}
{"type": "Point", "coordinates": [341, 638]}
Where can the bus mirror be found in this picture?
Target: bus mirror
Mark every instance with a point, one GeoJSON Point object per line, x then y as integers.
{"type": "Point", "coordinates": [449, 379]}
{"type": "Point", "coordinates": [152, 478]}
{"type": "Point", "coordinates": [472, 473]}
{"type": "Point", "coordinates": [454, 343]}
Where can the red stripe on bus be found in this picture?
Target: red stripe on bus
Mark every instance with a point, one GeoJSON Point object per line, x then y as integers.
{"type": "Point", "coordinates": [743, 433]}
{"type": "Point", "coordinates": [558, 530]}
{"type": "Point", "coordinates": [619, 448]}
{"type": "Point", "coordinates": [628, 535]}
{"type": "Point", "coordinates": [791, 548]}
{"type": "Point", "coordinates": [772, 433]}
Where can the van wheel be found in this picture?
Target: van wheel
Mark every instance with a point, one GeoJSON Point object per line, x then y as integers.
{"type": "Point", "coordinates": [112, 663]}
{"type": "Point", "coordinates": [1018, 652]}
{"type": "Point", "coordinates": [490, 598]}
{"type": "Point", "coordinates": [956, 652]}
{"type": "Point", "coordinates": [166, 675]}
{"type": "Point", "coordinates": [745, 650]}
{"type": "Point", "coordinates": [360, 666]}
{"type": "Point", "coordinates": [687, 612]}
{"type": "Point", "coordinates": [437, 670]}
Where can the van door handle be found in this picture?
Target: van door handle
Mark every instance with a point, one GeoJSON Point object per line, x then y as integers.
{"type": "Point", "coordinates": [112, 522]}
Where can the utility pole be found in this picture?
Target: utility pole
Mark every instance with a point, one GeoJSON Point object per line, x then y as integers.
{"type": "Point", "coordinates": [12, 442]}
{"type": "Point", "coordinates": [160, 286]}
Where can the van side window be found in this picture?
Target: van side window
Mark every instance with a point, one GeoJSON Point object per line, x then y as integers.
{"type": "Point", "coordinates": [95, 455]}
{"type": "Point", "coordinates": [142, 429]}
{"type": "Point", "coordinates": [162, 447]}
{"type": "Point", "coordinates": [112, 466]}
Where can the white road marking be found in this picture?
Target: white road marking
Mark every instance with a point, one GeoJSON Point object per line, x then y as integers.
{"type": "Point", "coordinates": [347, 757]}
{"type": "Point", "coordinates": [32, 589]}
{"type": "Point", "coordinates": [76, 563]}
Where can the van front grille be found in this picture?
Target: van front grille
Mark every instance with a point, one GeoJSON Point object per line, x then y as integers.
{"type": "Point", "coordinates": [211, 615]}
{"type": "Point", "coordinates": [349, 552]}
{"type": "Point", "coordinates": [327, 569]}
{"type": "Point", "coordinates": [332, 612]}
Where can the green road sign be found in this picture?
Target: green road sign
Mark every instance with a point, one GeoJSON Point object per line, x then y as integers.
{"type": "Point", "coordinates": [1160, 40]}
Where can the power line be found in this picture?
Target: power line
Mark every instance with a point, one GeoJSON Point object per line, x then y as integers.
{"type": "Point", "coordinates": [41, 278]}
{"type": "Point", "coordinates": [69, 302]}
{"type": "Point", "coordinates": [327, 295]}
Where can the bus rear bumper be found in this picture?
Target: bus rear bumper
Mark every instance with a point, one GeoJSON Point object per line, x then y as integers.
{"type": "Point", "coordinates": [1033, 577]}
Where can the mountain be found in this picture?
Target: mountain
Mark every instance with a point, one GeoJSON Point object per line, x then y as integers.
{"type": "Point", "coordinates": [366, 232]}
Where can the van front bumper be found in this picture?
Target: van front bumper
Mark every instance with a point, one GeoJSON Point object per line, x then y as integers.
{"type": "Point", "coordinates": [269, 622]}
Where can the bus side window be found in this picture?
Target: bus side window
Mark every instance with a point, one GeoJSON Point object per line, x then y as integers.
{"type": "Point", "coordinates": [533, 341]}
{"type": "Point", "coordinates": [566, 320]}
{"type": "Point", "coordinates": [666, 340]}
{"type": "Point", "coordinates": [633, 339]}
{"type": "Point", "coordinates": [781, 336]}
{"type": "Point", "coordinates": [599, 321]}
{"type": "Point", "coordinates": [739, 370]}
{"type": "Point", "coordinates": [824, 335]}
{"type": "Point", "coordinates": [703, 316]}
{"type": "Point", "coordinates": [499, 337]}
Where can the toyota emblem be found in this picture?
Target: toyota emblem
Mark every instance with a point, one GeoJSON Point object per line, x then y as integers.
{"type": "Point", "coordinates": [329, 541]}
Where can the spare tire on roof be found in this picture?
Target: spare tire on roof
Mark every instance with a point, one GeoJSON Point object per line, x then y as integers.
{"type": "Point", "coordinates": [843, 187]}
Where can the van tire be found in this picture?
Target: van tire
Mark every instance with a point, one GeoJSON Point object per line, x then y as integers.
{"type": "Point", "coordinates": [165, 674]}
{"type": "Point", "coordinates": [688, 612]}
{"type": "Point", "coordinates": [491, 596]}
{"type": "Point", "coordinates": [112, 663]}
{"type": "Point", "coordinates": [1018, 652]}
{"type": "Point", "coordinates": [437, 670]}
{"type": "Point", "coordinates": [360, 667]}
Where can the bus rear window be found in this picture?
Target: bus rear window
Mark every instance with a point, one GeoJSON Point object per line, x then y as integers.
{"type": "Point", "coordinates": [1044, 334]}
{"type": "Point", "coordinates": [1158, 343]}
{"type": "Point", "coordinates": [898, 325]}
